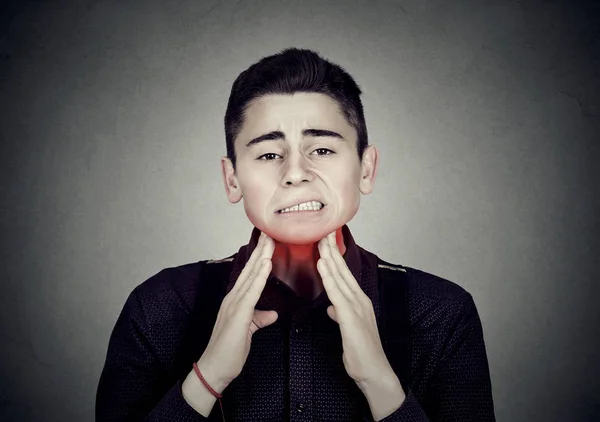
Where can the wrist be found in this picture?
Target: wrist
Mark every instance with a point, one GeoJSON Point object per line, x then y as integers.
{"type": "Point", "coordinates": [385, 377]}
{"type": "Point", "coordinates": [196, 395]}
{"type": "Point", "coordinates": [211, 376]}
{"type": "Point", "coordinates": [384, 395]}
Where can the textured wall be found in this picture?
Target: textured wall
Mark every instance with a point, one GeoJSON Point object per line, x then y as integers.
{"type": "Point", "coordinates": [486, 114]}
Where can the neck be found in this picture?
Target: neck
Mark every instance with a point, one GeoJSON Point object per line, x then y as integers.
{"type": "Point", "coordinates": [296, 265]}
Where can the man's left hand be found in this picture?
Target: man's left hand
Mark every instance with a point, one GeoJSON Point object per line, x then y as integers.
{"type": "Point", "coordinates": [363, 356]}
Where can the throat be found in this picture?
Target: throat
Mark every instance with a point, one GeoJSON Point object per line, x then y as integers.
{"type": "Point", "coordinates": [304, 280]}
{"type": "Point", "coordinates": [306, 289]}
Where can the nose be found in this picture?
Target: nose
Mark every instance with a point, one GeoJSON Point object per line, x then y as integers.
{"type": "Point", "coordinates": [297, 170]}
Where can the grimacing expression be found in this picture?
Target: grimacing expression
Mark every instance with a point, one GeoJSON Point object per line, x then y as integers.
{"type": "Point", "coordinates": [296, 148]}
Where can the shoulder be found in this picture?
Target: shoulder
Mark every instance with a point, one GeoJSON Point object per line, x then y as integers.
{"type": "Point", "coordinates": [422, 283]}
{"type": "Point", "coordinates": [175, 290]}
{"type": "Point", "coordinates": [439, 311]}
{"type": "Point", "coordinates": [181, 278]}
{"type": "Point", "coordinates": [431, 294]}
{"type": "Point", "coordinates": [435, 287]}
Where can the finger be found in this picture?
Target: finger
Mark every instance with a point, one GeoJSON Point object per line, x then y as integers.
{"type": "Point", "coordinates": [340, 283]}
{"type": "Point", "coordinates": [342, 267]}
{"type": "Point", "coordinates": [333, 292]}
{"type": "Point", "coordinates": [332, 314]}
{"type": "Point", "coordinates": [333, 270]}
{"type": "Point", "coordinates": [268, 248]}
{"type": "Point", "coordinates": [250, 264]}
{"type": "Point", "coordinates": [250, 298]}
{"type": "Point", "coordinates": [253, 265]}
{"type": "Point", "coordinates": [262, 319]}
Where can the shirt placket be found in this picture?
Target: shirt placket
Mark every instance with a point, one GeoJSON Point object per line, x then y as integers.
{"type": "Point", "coordinates": [301, 367]}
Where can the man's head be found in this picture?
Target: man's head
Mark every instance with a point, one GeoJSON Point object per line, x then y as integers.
{"type": "Point", "coordinates": [295, 131]}
{"type": "Point", "coordinates": [294, 70]}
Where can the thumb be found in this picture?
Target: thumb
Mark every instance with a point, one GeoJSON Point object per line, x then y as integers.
{"type": "Point", "coordinates": [263, 319]}
{"type": "Point", "coordinates": [332, 314]}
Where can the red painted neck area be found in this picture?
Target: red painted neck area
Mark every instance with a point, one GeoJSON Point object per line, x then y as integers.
{"type": "Point", "coordinates": [298, 263]}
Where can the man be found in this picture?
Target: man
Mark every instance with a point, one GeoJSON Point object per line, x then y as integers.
{"type": "Point", "coordinates": [301, 324]}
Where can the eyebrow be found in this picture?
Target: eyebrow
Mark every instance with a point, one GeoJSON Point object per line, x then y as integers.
{"type": "Point", "coordinates": [280, 136]}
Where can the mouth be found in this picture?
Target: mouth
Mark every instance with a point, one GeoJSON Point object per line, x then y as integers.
{"type": "Point", "coordinates": [305, 207]}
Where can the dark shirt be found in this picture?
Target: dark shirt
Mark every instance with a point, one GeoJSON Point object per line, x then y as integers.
{"type": "Point", "coordinates": [294, 370]}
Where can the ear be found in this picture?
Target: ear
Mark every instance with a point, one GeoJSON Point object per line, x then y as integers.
{"type": "Point", "coordinates": [232, 185]}
{"type": "Point", "coordinates": [368, 169]}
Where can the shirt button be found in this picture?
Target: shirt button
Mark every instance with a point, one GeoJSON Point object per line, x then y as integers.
{"type": "Point", "coordinates": [300, 407]}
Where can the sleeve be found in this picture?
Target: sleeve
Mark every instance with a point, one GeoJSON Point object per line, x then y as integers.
{"type": "Point", "coordinates": [461, 390]}
{"type": "Point", "coordinates": [132, 386]}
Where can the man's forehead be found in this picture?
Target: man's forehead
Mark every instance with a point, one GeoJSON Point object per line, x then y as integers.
{"type": "Point", "coordinates": [295, 97]}
{"type": "Point", "coordinates": [292, 113]}
{"type": "Point", "coordinates": [297, 105]}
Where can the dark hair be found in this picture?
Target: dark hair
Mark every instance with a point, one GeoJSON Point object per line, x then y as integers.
{"type": "Point", "coordinates": [290, 71]}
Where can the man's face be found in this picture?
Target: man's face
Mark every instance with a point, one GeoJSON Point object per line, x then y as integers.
{"type": "Point", "coordinates": [310, 154]}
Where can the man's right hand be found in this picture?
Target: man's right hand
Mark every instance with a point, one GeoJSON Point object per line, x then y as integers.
{"type": "Point", "coordinates": [237, 320]}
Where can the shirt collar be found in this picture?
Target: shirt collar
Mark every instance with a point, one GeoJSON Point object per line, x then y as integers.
{"type": "Point", "coordinates": [361, 263]}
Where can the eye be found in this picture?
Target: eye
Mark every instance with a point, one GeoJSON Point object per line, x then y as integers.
{"type": "Point", "coordinates": [325, 149]}
{"type": "Point", "coordinates": [273, 154]}
{"type": "Point", "coordinates": [264, 155]}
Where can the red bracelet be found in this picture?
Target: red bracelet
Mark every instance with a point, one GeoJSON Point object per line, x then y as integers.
{"type": "Point", "coordinates": [213, 392]}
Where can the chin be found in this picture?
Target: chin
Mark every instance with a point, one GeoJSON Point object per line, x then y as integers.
{"type": "Point", "coordinates": [296, 236]}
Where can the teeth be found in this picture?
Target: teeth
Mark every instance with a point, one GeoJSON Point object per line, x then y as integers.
{"type": "Point", "coordinates": [305, 206]}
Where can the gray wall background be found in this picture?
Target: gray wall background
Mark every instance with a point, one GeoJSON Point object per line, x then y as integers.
{"type": "Point", "coordinates": [487, 116]}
